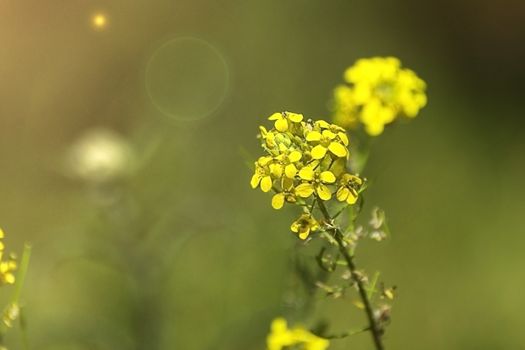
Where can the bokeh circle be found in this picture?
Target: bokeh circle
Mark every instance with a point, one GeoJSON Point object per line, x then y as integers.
{"type": "Point", "coordinates": [187, 78]}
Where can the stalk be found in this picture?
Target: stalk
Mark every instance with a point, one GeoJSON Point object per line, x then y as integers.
{"type": "Point", "coordinates": [375, 329]}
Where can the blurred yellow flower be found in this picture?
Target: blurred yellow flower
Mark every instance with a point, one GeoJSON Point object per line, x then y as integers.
{"type": "Point", "coordinates": [7, 267]}
{"type": "Point", "coordinates": [378, 92]}
{"type": "Point", "coordinates": [281, 337]}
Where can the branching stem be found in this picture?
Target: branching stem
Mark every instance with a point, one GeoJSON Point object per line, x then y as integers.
{"type": "Point", "coordinates": [375, 329]}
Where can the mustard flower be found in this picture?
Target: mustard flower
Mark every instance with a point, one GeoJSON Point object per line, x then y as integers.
{"type": "Point", "coordinates": [304, 225]}
{"type": "Point", "coordinates": [348, 188]}
{"type": "Point", "coordinates": [315, 182]}
{"type": "Point", "coordinates": [288, 194]}
{"type": "Point", "coordinates": [379, 90]}
{"type": "Point", "coordinates": [265, 169]}
{"type": "Point", "coordinates": [284, 119]}
{"type": "Point", "coordinates": [326, 142]}
{"type": "Point", "coordinates": [345, 111]}
{"type": "Point", "coordinates": [282, 337]}
{"type": "Point", "coordinates": [287, 158]}
{"type": "Point", "coordinates": [303, 161]}
{"type": "Point", "coordinates": [7, 267]}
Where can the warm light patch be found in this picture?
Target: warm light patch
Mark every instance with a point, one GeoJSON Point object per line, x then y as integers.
{"type": "Point", "coordinates": [99, 21]}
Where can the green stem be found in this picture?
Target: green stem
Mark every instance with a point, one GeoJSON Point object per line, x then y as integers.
{"type": "Point", "coordinates": [375, 329]}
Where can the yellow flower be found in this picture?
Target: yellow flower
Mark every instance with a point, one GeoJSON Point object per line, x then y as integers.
{"type": "Point", "coordinates": [265, 169]}
{"type": "Point", "coordinates": [304, 225]}
{"type": "Point", "coordinates": [327, 141]}
{"type": "Point", "coordinates": [281, 337]}
{"type": "Point", "coordinates": [345, 108]}
{"type": "Point", "coordinates": [379, 91]}
{"type": "Point", "coordinates": [7, 267]}
{"type": "Point", "coordinates": [348, 186]}
{"type": "Point", "coordinates": [315, 182]}
{"type": "Point", "coordinates": [287, 158]}
{"type": "Point", "coordinates": [288, 194]}
{"type": "Point", "coordinates": [302, 163]}
{"type": "Point", "coordinates": [268, 137]}
{"type": "Point", "coordinates": [284, 119]}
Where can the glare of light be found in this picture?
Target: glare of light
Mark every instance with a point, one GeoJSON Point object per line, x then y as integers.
{"type": "Point", "coordinates": [99, 21]}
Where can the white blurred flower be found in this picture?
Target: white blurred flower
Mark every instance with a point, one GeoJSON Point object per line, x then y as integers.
{"type": "Point", "coordinates": [99, 156]}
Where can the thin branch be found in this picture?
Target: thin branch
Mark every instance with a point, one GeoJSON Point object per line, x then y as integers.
{"type": "Point", "coordinates": [375, 329]}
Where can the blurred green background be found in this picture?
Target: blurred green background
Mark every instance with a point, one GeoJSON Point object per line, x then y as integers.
{"type": "Point", "coordinates": [171, 249]}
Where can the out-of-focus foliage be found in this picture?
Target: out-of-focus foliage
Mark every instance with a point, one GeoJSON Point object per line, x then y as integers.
{"type": "Point", "coordinates": [177, 251]}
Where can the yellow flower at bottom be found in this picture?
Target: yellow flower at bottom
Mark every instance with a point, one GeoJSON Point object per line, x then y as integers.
{"type": "Point", "coordinates": [281, 336]}
{"type": "Point", "coordinates": [7, 267]}
{"type": "Point", "coordinates": [304, 225]}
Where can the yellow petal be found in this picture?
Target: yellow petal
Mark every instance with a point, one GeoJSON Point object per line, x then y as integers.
{"type": "Point", "coordinates": [305, 232]}
{"type": "Point", "coordinates": [256, 178]}
{"type": "Point", "coordinates": [318, 152]}
{"type": "Point", "coordinates": [278, 201]}
{"type": "Point", "coordinates": [276, 170]}
{"type": "Point", "coordinates": [290, 171]}
{"type": "Point", "coordinates": [279, 325]}
{"type": "Point", "coordinates": [306, 173]}
{"type": "Point", "coordinates": [294, 156]}
{"type": "Point", "coordinates": [342, 194]}
{"type": "Point", "coordinates": [343, 137]}
{"type": "Point", "coordinates": [323, 124]}
{"type": "Point", "coordinates": [328, 134]}
{"type": "Point", "coordinates": [275, 116]}
{"type": "Point", "coordinates": [313, 136]}
{"type": "Point", "coordinates": [294, 117]}
{"type": "Point", "coordinates": [281, 125]}
{"type": "Point", "coordinates": [266, 184]}
{"type": "Point", "coordinates": [304, 190]}
{"type": "Point", "coordinates": [338, 149]}
{"type": "Point", "coordinates": [295, 227]}
{"type": "Point", "coordinates": [374, 129]}
{"type": "Point", "coordinates": [327, 177]}
{"type": "Point", "coordinates": [9, 278]}
{"type": "Point", "coordinates": [323, 192]}
{"type": "Point", "coordinates": [264, 160]}
{"type": "Point", "coordinates": [351, 199]}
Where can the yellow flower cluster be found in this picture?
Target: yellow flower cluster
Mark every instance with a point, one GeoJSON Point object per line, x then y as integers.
{"type": "Point", "coordinates": [305, 161]}
{"type": "Point", "coordinates": [282, 337]}
{"type": "Point", "coordinates": [7, 267]}
{"type": "Point", "coordinates": [378, 91]}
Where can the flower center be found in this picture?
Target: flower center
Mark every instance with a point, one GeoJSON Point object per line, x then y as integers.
{"type": "Point", "coordinates": [385, 91]}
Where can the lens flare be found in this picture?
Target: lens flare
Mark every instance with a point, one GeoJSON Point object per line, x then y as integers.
{"type": "Point", "coordinates": [99, 21]}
